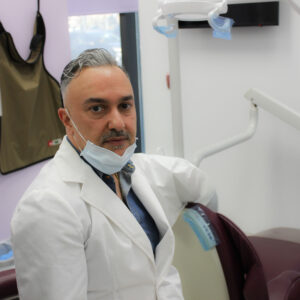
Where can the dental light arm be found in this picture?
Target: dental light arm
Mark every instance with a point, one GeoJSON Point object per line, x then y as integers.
{"type": "Point", "coordinates": [230, 142]}
{"type": "Point", "coordinates": [273, 106]}
{"type": "Point", "coordinates": [257, 99]}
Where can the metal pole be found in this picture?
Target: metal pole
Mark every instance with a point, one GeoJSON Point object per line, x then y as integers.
{"type": "Point", "coordinates": [175, 84]}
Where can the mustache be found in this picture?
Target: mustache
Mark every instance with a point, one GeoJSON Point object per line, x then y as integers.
{"type": "Point", "coordinates": [115, 133]}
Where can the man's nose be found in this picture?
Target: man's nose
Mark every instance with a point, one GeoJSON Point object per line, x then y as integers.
{"type": "Point", "coordinates": [116, 120]}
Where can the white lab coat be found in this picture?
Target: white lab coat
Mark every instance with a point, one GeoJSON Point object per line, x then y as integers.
{"type": "Point", "coordinates": [74, 239]}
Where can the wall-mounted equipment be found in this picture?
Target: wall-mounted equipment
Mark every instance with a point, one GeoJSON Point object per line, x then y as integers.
{"type": "Point", "coordinates": [244, 14]}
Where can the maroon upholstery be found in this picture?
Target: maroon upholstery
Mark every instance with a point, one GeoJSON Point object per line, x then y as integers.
{"type": "Point", "coordinates": [8, 284]}
{"type": "Point", "coordinates": [285, 286]}
{"type": "Point", "coordinates": [254, 287]}
{"type": "Point", "coordinates": [256, 267]}
{"type": "Point", "coordinates": [281, 262]}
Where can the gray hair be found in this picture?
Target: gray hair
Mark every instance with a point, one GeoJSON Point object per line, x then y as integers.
{"type": "Point", "coordinates": [89, 58]}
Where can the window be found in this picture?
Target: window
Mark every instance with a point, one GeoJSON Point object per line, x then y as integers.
{"type": "Point", "coordinates": [95, 31]}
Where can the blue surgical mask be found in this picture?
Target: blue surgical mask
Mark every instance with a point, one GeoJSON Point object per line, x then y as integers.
{"type": "Point", "coordinates": [104, 160]}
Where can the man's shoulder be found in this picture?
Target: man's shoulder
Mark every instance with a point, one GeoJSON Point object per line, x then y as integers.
{"type": "Point", "coordinates": [47, 174]}
{"type": "Point", "coordinates": [46, 194]}
{"type": "Point", "coordinates": [54, 174]}
{"type": "Point", "coordinates": [143, 160]}
{"type": "Point", "coordinates": [54, 189]}
{"type": "Point", "coordinates": [146, 157]}
{"type": "Point", "coordinates": [48, 178]}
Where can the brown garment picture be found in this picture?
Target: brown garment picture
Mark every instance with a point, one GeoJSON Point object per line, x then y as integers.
{"type": "Point", "coordinates": [30, 128]}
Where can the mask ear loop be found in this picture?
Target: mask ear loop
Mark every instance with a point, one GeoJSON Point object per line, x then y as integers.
{"type": "Point", "coordinates": [67, 111]}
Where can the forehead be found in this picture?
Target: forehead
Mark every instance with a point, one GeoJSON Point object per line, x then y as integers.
{"type": "Point", "coordinates": [104, 82]}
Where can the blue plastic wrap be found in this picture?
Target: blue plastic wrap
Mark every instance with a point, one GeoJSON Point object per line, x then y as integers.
{"type": "Point", "coordinates": [221, 27]}
{"type": "Point", "coordinates": [201, 226]}
{"type": "Point", "coordinates": [6, 252]}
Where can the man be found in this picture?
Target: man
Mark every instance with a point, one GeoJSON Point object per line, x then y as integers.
{"type": "Point", "coordinates": [96, 222]}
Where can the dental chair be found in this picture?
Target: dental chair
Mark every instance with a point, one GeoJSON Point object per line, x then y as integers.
{"type": "Point", "coordinates": [8, 285]}
{"type": "Point", "coordinates": [262, 267]}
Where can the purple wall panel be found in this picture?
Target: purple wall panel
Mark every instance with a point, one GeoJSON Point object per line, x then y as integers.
{"type": "Point", "coordinates": [80, 7]}
{"type": "Point", "coordinates": [18, 16]}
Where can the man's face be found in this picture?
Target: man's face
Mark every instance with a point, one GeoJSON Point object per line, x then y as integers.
{"type": "Point", "coordinates": [101, 103]}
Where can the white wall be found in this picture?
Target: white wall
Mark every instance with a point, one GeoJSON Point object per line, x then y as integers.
{"type": "Point", "coordinates": [257, 182]}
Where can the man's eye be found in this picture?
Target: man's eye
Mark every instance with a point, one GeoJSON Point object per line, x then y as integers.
{"type": "Point", "coordinates": [96, 108]}
{"type": "Point", "coordinates": [126, 106]}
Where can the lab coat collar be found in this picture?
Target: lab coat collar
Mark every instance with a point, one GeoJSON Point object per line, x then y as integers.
{"type": "Point", "coordinates": [69, 164]}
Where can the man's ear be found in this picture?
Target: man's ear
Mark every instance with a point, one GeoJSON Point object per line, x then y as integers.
{"type": "Point", "coordinates": [65, 119]}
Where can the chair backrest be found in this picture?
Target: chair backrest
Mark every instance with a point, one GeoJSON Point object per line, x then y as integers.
{"type": "Point", "coordinates": [200, 271]}
{"type": "Point", "coordinates": [238, 261]}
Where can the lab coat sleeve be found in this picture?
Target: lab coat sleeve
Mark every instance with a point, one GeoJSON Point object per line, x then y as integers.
{"type": "Point", "coordinates": [48, 244]}
{"type": "Point", "coordinates": [176, 182]}
{"type": "Point", "coordinates": [193, 185]}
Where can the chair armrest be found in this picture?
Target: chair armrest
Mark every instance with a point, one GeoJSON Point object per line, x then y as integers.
{"type": "Point", "coordinates": [286, 286]}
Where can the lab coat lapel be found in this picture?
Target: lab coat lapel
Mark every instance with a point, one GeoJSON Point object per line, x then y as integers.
{"type": "Point", "coordinates": [165, 249]}
{"type": "Point", "coordinates": [97, 194]}
{"type": "Point", "coordinates": [146, 195]}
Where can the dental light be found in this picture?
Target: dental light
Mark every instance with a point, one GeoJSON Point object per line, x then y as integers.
{"type": "Point", "coordinates": [170, 11]}
{"type": "Point", "coordinates": [191, 10]}
{"type": "Point", "coordinates": [166, 22]}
